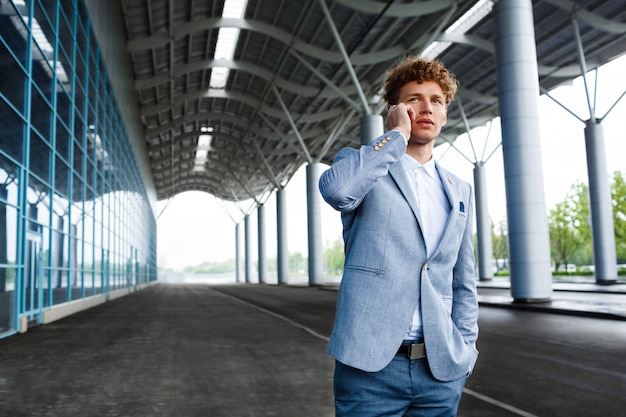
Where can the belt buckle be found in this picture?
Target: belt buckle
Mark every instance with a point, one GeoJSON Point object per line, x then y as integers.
{"type": "Point", "coordinates": [419, 351]}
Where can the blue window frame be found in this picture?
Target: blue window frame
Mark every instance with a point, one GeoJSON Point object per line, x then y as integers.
{"type": "Point", "coordinates": [75, 219]}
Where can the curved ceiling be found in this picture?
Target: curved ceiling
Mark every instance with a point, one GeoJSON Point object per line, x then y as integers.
{"type": "Point", "coordinates": [290, 99]}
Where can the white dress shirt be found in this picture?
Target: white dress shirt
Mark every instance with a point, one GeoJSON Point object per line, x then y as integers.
{"type": "Point", "coordinates": [434, 208]}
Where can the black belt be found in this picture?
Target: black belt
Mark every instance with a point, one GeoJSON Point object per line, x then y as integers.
{"type": "Point", "coordinates": [412, 351]}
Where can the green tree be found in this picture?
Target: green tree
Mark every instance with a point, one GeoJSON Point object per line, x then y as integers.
{"type": "Point", "coordinates": [579, 197]}
{"type": "Point", "coordinates": [570, 229]}
{"type": "Point", "coordinates": [618, 190]}
{"type": "Point", "coordinates": [297, 263]}
{"type": "Point", "coordinates": [500, 245]}
{"type": "Point", "coordinates": [211, 267]}
{"type": "Point", "coordinates": [334, 258]}
{"type": "Point", "coordinates": [562, 237]}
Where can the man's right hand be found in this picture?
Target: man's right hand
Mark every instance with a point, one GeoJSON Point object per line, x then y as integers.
{"type": "Point", "coordinates": [399, 117]}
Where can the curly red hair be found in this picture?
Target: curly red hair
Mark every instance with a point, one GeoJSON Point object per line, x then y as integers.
{"type": "Point", "coordinates": [419, 69]}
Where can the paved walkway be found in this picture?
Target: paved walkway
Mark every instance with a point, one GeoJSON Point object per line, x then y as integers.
{"type": "Point", "coordinates": [258, 350]}
{"type": "Point", "coordinates": [583, 298]}
{"type": "Point", "coordinates": [168, 350]}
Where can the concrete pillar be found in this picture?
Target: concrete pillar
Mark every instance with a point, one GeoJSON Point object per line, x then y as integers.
{"type": "Point", "coordinates": [483, 225]}
{"type": "Point", "coordinates": [314, 222]}
{"type": "Point", "coordinates": [238, 275]}
{"type": "Point", "coordinates": [372, 126]}
{"type": "Point", "coordinates": [282, 253]}
{"type": "Point", "coordinates": [601, 206]}
{"type": "Point", "coordinates": [518, 94]}
{"type": "Point", "coordinates": [262, 250]}
{"type": "Point", "coordinates": [247, 242]}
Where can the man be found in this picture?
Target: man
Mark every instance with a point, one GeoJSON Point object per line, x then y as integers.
{"type": "Point", "coordinates": [406, 327]}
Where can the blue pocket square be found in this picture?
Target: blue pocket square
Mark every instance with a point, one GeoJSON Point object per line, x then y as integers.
{"type": "Point", "coordinates": [461, 207]}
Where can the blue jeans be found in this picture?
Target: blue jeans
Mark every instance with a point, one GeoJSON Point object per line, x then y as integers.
{"type": "Point", "coordinates": [403, 388]}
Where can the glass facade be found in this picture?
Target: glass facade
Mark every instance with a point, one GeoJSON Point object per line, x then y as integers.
{"type": "Point", "coordinates": [75, 220]}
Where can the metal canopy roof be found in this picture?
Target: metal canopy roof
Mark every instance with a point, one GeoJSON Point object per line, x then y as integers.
{"type": "Point", "coordinates": [286, 57]}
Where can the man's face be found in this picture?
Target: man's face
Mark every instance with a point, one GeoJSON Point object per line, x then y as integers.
{"type": "Point", "coordinates": [429, 103]}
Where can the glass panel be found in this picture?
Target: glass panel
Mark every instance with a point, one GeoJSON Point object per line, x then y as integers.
{"type": "Point", "coordinates": [44, 66]}
{"type": "Point", "coordinates": [80, 70]}
{"type": "Point", "coordinates": [77, 164]}
{"type": "Point", "coordinates": [42, 78]}
{"type": "Point", "coordinates": [80, 35]}
{"type": "Point", "coordinates": [8, 216]}
{"type": "Point", "coordinates": [61, 177]}
{"type": "Point", "coordinates": [38, 211]}
{"type": "Point", "coordinates": [77, 189]}
{"type": "Point", "coordinates": [40, 114]}
{"type": "Point", "coordinates": [7, 298]}
{"type": "Point", "coordinates": [79, 103]}
{"type": "Point", "coordinates": [93, 81]}
{"type": "Point", "coordinates": [59, 262]}
{"type": "Point", "coordinates": [67, 9]}
{"type": "Point", "coordinates": [64, 67]}
{"type": "Point", "coordinates": [12, 79]}
{"type": "Point", "coordinates": [56, 253]}
{"type": "Point", "coordinates": [40, 158]}
{"type": "Point", "coordinates": [47, 262]}
{"type": "Point", "coordinates": [12, 132]}
{"type": "Point", "coordinates": [65, 24]}
{"type": "Point", "coordinates": [71, 275]}
{"type": "Point", "coordinates": [13, 32]}
{"type": "Point", "coordinates": [64, 106]}
{"type": "Point", "coordinates": [116, 236]}
{"type": "Point", "coordinates": [62, 141]}
{"type": "Point", "coordinates": [48, 11]}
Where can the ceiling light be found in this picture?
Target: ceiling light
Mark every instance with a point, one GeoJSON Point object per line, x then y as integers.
{"type": "Point", "coordinates": [227, 42]}
{"type": "Point", "coordinates": [463, 25]}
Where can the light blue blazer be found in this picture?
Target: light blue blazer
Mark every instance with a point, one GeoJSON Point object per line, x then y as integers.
{"type": "Point", "coordinates": [387, 270]}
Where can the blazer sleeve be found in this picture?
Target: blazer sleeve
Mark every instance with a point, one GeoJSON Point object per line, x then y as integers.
{"type": "Point", "coordinates": [354, 172]}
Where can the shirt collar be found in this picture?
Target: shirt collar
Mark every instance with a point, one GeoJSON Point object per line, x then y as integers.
{"type": "Point", "coordinates": [410, 164]}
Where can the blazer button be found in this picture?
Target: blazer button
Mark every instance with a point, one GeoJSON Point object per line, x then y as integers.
{"type": "Point", "coordinates": [425, 268]}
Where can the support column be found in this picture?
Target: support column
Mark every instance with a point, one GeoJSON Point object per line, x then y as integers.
{"type": "Point", "coordinates": [314, 221]}
{"type": "Point", "coordinates": [238, 276]}
{"type": "Point", "coordinates": [601, 206]}
{"type": "Point", "coordinates": [262, 263]}
{"type": "Point", "coordinates": [282, 251]}
{"type": "Point", "coordinates": [247, 242]}
{"type": "Point", "coordinates": [518, 94]}
{"type": "Point", "coordinates": [483, 224]}
{"type": "Point", "coordinates": [372, 126]}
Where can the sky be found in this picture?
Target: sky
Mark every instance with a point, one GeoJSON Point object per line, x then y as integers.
{"type": "Point", "coordinates": [195, 227]}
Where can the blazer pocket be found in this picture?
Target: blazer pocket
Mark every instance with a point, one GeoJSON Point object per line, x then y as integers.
{"type": "Point", "coordinates": [365, 269]}
{"type": "Point", "coordinates": [462, 209]}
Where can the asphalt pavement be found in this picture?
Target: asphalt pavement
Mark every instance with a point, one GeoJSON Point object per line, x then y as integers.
{"type": "Point", "coordinates": [258, 350]}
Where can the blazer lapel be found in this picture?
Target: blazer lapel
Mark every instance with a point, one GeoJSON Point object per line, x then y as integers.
{"type": "Point", "coordinates": [401, 178]}
{"type": "Point", "coordinates": [457, 206]}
